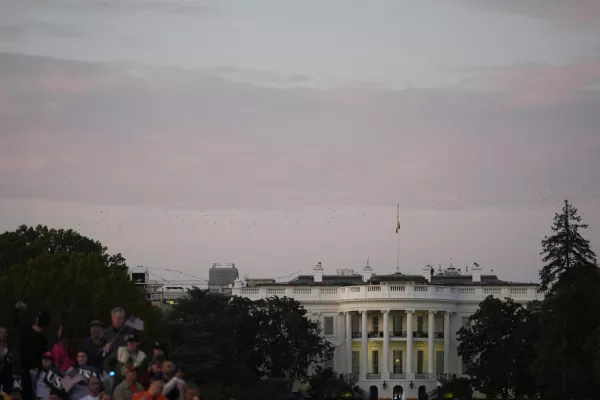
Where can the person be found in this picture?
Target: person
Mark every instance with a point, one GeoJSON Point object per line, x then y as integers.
{"type": "Point", "coordinates": [61, 351]}
{"type": "Point", "coordinates": [154, 391]}
{"type": "Point", "coordinates": [153, 369]}
{"type": "Point", "coordinates": [3, 342]}
{"type": "Point", "coordinates": [33, 344]}
{"type": "Point", "coordinates": [173, 383]}
{"type": "Point", "coordinates": [45, 378]}
{"type": "Point", "coordinates": [56, 394]}
{"type": "Point", "coordinates": [94, 389]}
{"type": "Point", "coordinates": [129, 387]}
{"type": "Point", "coordinates": [159, 350]}
{"type": "Point", "coordinates": [190, 392]}
{"type": "Point", "coordinates": [114, 336]}
{"type": "Point", "coordinates": [14, 391]}
{"type": "Point", "coordinates": [93, 344]}
{"type": "Point", "coordinates": [6, 365]}
{"type": "Point", "coordinates": [80, 389]}
{"type": "Point", "coordinates": [131, 355]}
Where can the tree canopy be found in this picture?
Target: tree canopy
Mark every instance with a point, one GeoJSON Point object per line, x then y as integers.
{"type": "Point", "coordinates": [70, 275]}
{"type": "Point", "coordinates": [236, 342]}
{"type": "Point", "coordinates": [565, 248]}
{"type": "Point", "coordinates": [498, 347]}
{"type": "Point", "coordinates": [549, 348]}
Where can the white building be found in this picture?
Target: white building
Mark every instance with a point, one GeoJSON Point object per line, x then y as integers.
{"type": "Point", "coordinates": [394, 335]}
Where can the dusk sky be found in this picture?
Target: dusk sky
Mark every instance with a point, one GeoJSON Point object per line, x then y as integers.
{"type": "Point", "coordinates": [275, 134]}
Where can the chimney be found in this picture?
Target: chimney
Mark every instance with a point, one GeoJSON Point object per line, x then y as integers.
{"type": "Point", "coordinates": [476, 272]}
{"type": "Point", "coordinates": [367, 271]}
{"type": "Point", "coordinates": [318, 272]}
{"type": "Point", "coordinates": [427, 271]}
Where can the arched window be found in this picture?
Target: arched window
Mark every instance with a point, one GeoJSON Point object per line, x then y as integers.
{"type": "Point", "coordinates": [373, 393]}
{"type": "Point", "coordinates": [397, 392]}
{"type": "Point", "coordinates": [423, 393]}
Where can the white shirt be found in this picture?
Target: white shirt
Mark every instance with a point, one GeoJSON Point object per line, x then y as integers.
{"type": "Point", "coordinates": [90, 397]}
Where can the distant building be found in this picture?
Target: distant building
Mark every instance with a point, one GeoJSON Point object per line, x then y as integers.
{"type": "Point", "coordinates": [162, 292]}
{"type": "Point", "coordinates": [221, 277]}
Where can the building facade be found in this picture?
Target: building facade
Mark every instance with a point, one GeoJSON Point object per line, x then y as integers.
{"type": "Point", "coordinates": [394, 335]}
{"type": "Point", "coordinates": [221, 277]}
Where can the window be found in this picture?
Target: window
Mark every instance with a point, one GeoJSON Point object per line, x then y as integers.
{"type": "Point", "coordinates": [375, 324]}
{"type": "Point", "coordinates": [420, 355]}
{"type": "Point", "coordinates": [396, 323]}
{"type": "Point", "coordinates": [439, 325]}
{"type": "Point", "coordinates": [439, 362]}
{"type": "Point", "coordinates": [420, 323]}
{"type": "Point", "coordinates": [355, 362]}
{"type": "Point", "coordinates": [375, 359]}
{"type": "Point", "coordinates": [329, 326]}
{"type": "Point", "coordinates": [355, 325]}
{"type": "Point", "coordinates": [397, 354]}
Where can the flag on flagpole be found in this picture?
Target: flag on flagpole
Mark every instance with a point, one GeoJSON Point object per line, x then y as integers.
{"type": "Point", "coordinates": [398, 219]}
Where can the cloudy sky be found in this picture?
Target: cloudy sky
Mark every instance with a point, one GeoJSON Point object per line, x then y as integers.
{"type": "Point", "coordinates": [275, 134]}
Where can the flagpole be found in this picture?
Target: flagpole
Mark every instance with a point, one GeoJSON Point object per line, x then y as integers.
{"type": "Point", "coordinates": [398, 240]}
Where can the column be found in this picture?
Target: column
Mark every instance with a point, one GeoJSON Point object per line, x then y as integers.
{"type": "Point", "coordinates": [409, 343]}
{"type": "Point", "coordinates": [447, 342]}
{"type": "Point", "coordinates": [365, 346]}
{"type": "Point", "coordinates": [430, 351]}
{"type": "Point", "coordinates": [386, 344]}
{"type": "Point", "coordinates": [348, 342]}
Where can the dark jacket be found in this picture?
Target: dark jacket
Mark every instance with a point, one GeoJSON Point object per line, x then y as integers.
{"type": "Point", "coordinates": [94, 352]}
{"type": "Point", "coordinates": [32, 345]}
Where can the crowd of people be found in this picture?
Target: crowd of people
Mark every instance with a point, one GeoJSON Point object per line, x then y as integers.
{"type": "Point", "coordinates": [107, 365]}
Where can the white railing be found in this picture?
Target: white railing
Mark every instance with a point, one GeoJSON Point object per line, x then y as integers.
{"type": "Point", "coordinates": [302, 290]}
{"type": "Point", "coordinates": [407, 291]}
{"type": "Point", "coordinates": [329, 291]}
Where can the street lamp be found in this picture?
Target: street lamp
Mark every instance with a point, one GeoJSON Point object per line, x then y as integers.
{"type": "Point", "coordinates": [411, 385]}
{"type": "Point", "coordinates": [384, 385]}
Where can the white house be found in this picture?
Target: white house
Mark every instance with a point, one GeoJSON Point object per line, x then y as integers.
{"type": "Point", "coordinates": [394, 335]}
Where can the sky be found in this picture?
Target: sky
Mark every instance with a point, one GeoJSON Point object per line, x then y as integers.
{"type": "Point", "coordinates": [276, 134]}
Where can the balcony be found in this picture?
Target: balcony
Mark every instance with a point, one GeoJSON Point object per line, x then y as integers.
{"type": "Point", "coordinates": [372, 377]}
{"type": "Point", "coordinates": [438, 335]}
{"type": "Point", "coordinates": [421, 377]}
{"type": "Point", "coordinates": [356, 335]}
{"type": "Point", "coordinates": [375, 334]}
{"type": "Point", "coordinates": [398, 334]}
{"type": "Point", "coordinates": [420, 335]}
{"type": "Point", "coordinates": [399, 375]}
{"type": "Point", "coordinates": [400, 292]}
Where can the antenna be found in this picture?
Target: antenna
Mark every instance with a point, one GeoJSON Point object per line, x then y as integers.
{"type": "Point", "coordinates": [368, 263]}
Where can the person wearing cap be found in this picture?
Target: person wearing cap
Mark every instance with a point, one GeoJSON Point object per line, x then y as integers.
{"type": "Point", "coordinates": [131, 355]}
{"type": "Point", "coordinates": [44, 378]}
{"type": "Point", "coordinates": [93, 345]}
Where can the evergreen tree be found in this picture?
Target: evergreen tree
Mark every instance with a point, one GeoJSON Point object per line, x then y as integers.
{"type": "Point", "coordinates": [565, 248]}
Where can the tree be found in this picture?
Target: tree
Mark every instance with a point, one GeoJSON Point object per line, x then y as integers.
{"type": "Point", "coordinates": [562, 252]}
{"type": "Point", "coordinates": [498, 347]}
{"type": "Point", "coordinates": [70, 275]}
{"type": "Point", "coordinates": [566, 356]}
{"type": "Point", "coordinates": [566, 248]}
{"type": "Point", "coordinates": [459, 388]}
{"type": "Point", "coordinates": [255, 346]}
{"type": "Point", "coordinates": [323, 383]}
{"type": "Point", "coordinates": [286, 343]}
{"type": "Point", "coordinates": [204, 335]}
